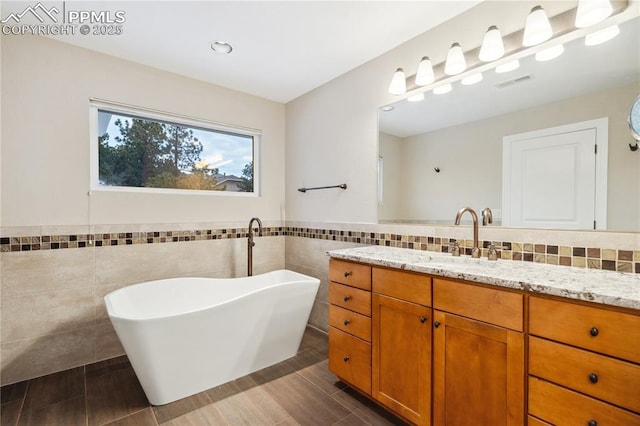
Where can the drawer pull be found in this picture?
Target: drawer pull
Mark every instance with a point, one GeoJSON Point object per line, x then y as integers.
{"type": "Point", "coordinates": [346, 358]}
{"type": "Point", "coordinates": [593, 378]}
{"type": "Point", "coordinates": [436, 324]}
{"type": "Point", "coordinates": [347, 298]}
{"type": "Point", "coordinates": [594, 331]}
{"type": "Point", "coordinates": [593, 423]}
{"type": "Point", "coordinates": [346, 322]}
{"type": "Point", "coordinates": [423, 319]}
{"type": "Point", "coordinates": [348, 274]}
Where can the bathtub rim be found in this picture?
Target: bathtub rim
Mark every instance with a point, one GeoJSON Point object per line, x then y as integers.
{"type": "Point", "coordinates": [299, 279]}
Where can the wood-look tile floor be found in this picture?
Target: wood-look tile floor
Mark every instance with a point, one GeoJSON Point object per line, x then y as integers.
{"type": "Point", "coordinates": [298, 391]}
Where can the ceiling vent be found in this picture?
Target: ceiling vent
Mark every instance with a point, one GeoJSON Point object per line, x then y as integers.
{"type": "Point", "coordinates": [515, 81]}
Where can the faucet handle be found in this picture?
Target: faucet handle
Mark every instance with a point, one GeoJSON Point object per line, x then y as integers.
{"type": "Point", "coordinates": [492, 253]}
{"type": "Point", "coordinates": [454, 248]}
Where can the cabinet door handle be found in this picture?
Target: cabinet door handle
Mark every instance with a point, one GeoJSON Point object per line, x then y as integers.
{"type": "Point", "coordinates": [346, 358]}
{"type": "Point", "coordinates": [423, 319]}
{"type": "Point", "coordinates": [593, 378]}
{"type": "Point", "coordinates": [347, 298]}
{"type": "Point", "coordinates": [348, 274]}
{"type": "Point", "coordinates": [436, 324]}
{"type": "Point", "coordinates": [346, 322]}
{"type": "Point", "coordinates": [594, 331]}
{"type": "Point", "coordinates": [593, 422]}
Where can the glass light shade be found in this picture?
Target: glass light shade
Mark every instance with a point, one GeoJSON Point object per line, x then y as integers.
{"type": "Point", "coordinates": [591, 12]}
{"type": "Point", "coordinates": [398, 84]}
{"type": "Point", "coordinates": [550, 53]}
{"type": "Point", "coordinates": [441, 90]}
{"type": "Point", "coordinates": [492, 47]}
{"type": "Point", "coordinates": [601, 36]}
{"type": "Point", "coordinates": [416, 98]}
{"type": "Point", "coordinates": [509, 66]}
{"type": "Point", "coordinates": [472, 79]}
{"type": "Point", "coordinates": [425, 75]}
{"type": "Point", "coordinates": [455, 60]}
{"type": "Point", "coordinates": [537, 27]}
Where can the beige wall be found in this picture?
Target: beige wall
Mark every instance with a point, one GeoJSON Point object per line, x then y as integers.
{"type": "Point", "coordinates": [472, 154]}
{"type": "Point", "coordinates": [52, 310]}
{"type": "Point", "coordinates": [46, 86]}
{"type": "Point", "coordinates": [332, 130]}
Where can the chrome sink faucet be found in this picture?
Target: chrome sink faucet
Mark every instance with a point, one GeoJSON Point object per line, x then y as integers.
{"type": "Point", "coordinates": [250, 244]}
{"type": "Point", "coordinates": [475, 251]}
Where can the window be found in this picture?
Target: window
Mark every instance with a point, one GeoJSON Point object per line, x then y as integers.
{"type": "Point", "coordinates": [140, 150]}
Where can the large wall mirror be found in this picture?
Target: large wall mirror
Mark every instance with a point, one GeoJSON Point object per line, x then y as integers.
{"type": "Point", "coordinates": [446, 152]}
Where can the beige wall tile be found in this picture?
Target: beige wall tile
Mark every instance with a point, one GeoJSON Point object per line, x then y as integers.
{"type": "Point", "coordinates": [29, 358]}
{"type": "Point", "coordinates": [319, 317]}
{"type": "Point", "coordinates": [107, 342]}
{"type": "Point", "coordinates": [47, 313]}
{"type": "Point", "coordinates": [46, 270]}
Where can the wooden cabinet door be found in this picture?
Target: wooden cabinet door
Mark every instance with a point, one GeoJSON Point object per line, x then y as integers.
{"type": "Point", "coordinates": [478, 373]}
{"type": "Point", "coordinates": [401, 364]}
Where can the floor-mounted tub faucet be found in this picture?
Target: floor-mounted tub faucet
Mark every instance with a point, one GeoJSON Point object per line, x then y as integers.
{"type": "Point", "coordinates": [250, 244]}
{"type": "Point", "coordinates": [475, 251]}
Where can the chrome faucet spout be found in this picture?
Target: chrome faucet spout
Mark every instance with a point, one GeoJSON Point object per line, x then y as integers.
{"type": "Point", "coordinates": [475, 251]}
{"type": "Point", "coordinates": [250, 243]}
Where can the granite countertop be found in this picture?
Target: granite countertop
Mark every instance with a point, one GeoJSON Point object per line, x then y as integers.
{"type": "Point", "coordinates": [593, 285]}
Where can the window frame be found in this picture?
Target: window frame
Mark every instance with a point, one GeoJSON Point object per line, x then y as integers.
{"type": "Point", "coordinates": [145, 113]}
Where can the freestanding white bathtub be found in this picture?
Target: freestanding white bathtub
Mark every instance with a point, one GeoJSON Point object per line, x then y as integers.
{"type": "Point", "coordinates": [185, 335]}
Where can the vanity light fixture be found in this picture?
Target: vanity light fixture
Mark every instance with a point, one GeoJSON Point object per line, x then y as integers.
{"type": "Point", "coordinates": [416, 98]}
{"type": "Point", "coordinates": [550, 53]}
{"type": "Point", "coordinates": [492, 46]}
{"type": "Point", "coordinates": [425, 75]}
{"type": "Point", "coordinates": [455, 60]}
{"type": "Point", "coordinates": [509, 66]}
{"type": "Point", "coordinates": [591, 12]}
{"type": "Point", "coordinates": [219, 46]}
{"type": "Point", "coordinates": [472, 79]}
{"type": "Point", "coordinates": [601, 36]}
{"type": "Point", "coordinates": [398, 84]}
{"type": "Point", "coordinates": [537, 28]}
{"type": "Point", "coordinates": [441, 90]}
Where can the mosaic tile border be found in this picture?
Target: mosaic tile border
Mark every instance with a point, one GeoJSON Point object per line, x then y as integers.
{"type": "Point", "coordinates": [627, 261]}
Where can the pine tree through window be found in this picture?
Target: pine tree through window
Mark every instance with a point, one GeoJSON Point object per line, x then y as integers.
{"type": "Point", "coordinates": [137, 151]}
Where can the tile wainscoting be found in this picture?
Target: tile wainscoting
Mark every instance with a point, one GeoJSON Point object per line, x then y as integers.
{"type": "Point", "coordinates": [54, 278]}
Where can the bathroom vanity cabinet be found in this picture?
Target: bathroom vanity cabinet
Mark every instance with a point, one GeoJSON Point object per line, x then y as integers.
{"type": "Point", "coordinates": [401, 343]}
{"type": "Point", "coordinates": [478, 355]}
{"type": "Point", "coordinates": [350, 323]}
{"type": "Point", "coordinates": [446, 351]}
{"type": "Point", "coordinates": [584, 364]}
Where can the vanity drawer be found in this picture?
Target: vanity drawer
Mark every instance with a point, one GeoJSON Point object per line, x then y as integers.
{"type": "Point", "coordinates": [532, 421]}
{"type": "Point", "coordinates": [350, 359]}
{"type": "Point", "coordinates": [605, 378]}
{"type": "Point", "coordinates": [350, 298]}
{"type": "Point", "coordinates": [561, 406]}
{"type": "Point", "coordinates": [598, 329]}
{"type": "Point", "coordinates": [350, 322]}
{"type": "Point", "coordinates": [498, 307]}
{"type": "Point", "coordinates": [415, 288]}
{"type": "Point", "coordinates": [349, 273]}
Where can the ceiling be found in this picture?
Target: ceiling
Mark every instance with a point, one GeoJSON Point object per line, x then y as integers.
{"type": "Point", "coordinates": [281, 50]}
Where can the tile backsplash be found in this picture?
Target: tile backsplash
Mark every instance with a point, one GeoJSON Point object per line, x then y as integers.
{"type": "Point", "coordinates": [607, 258]}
